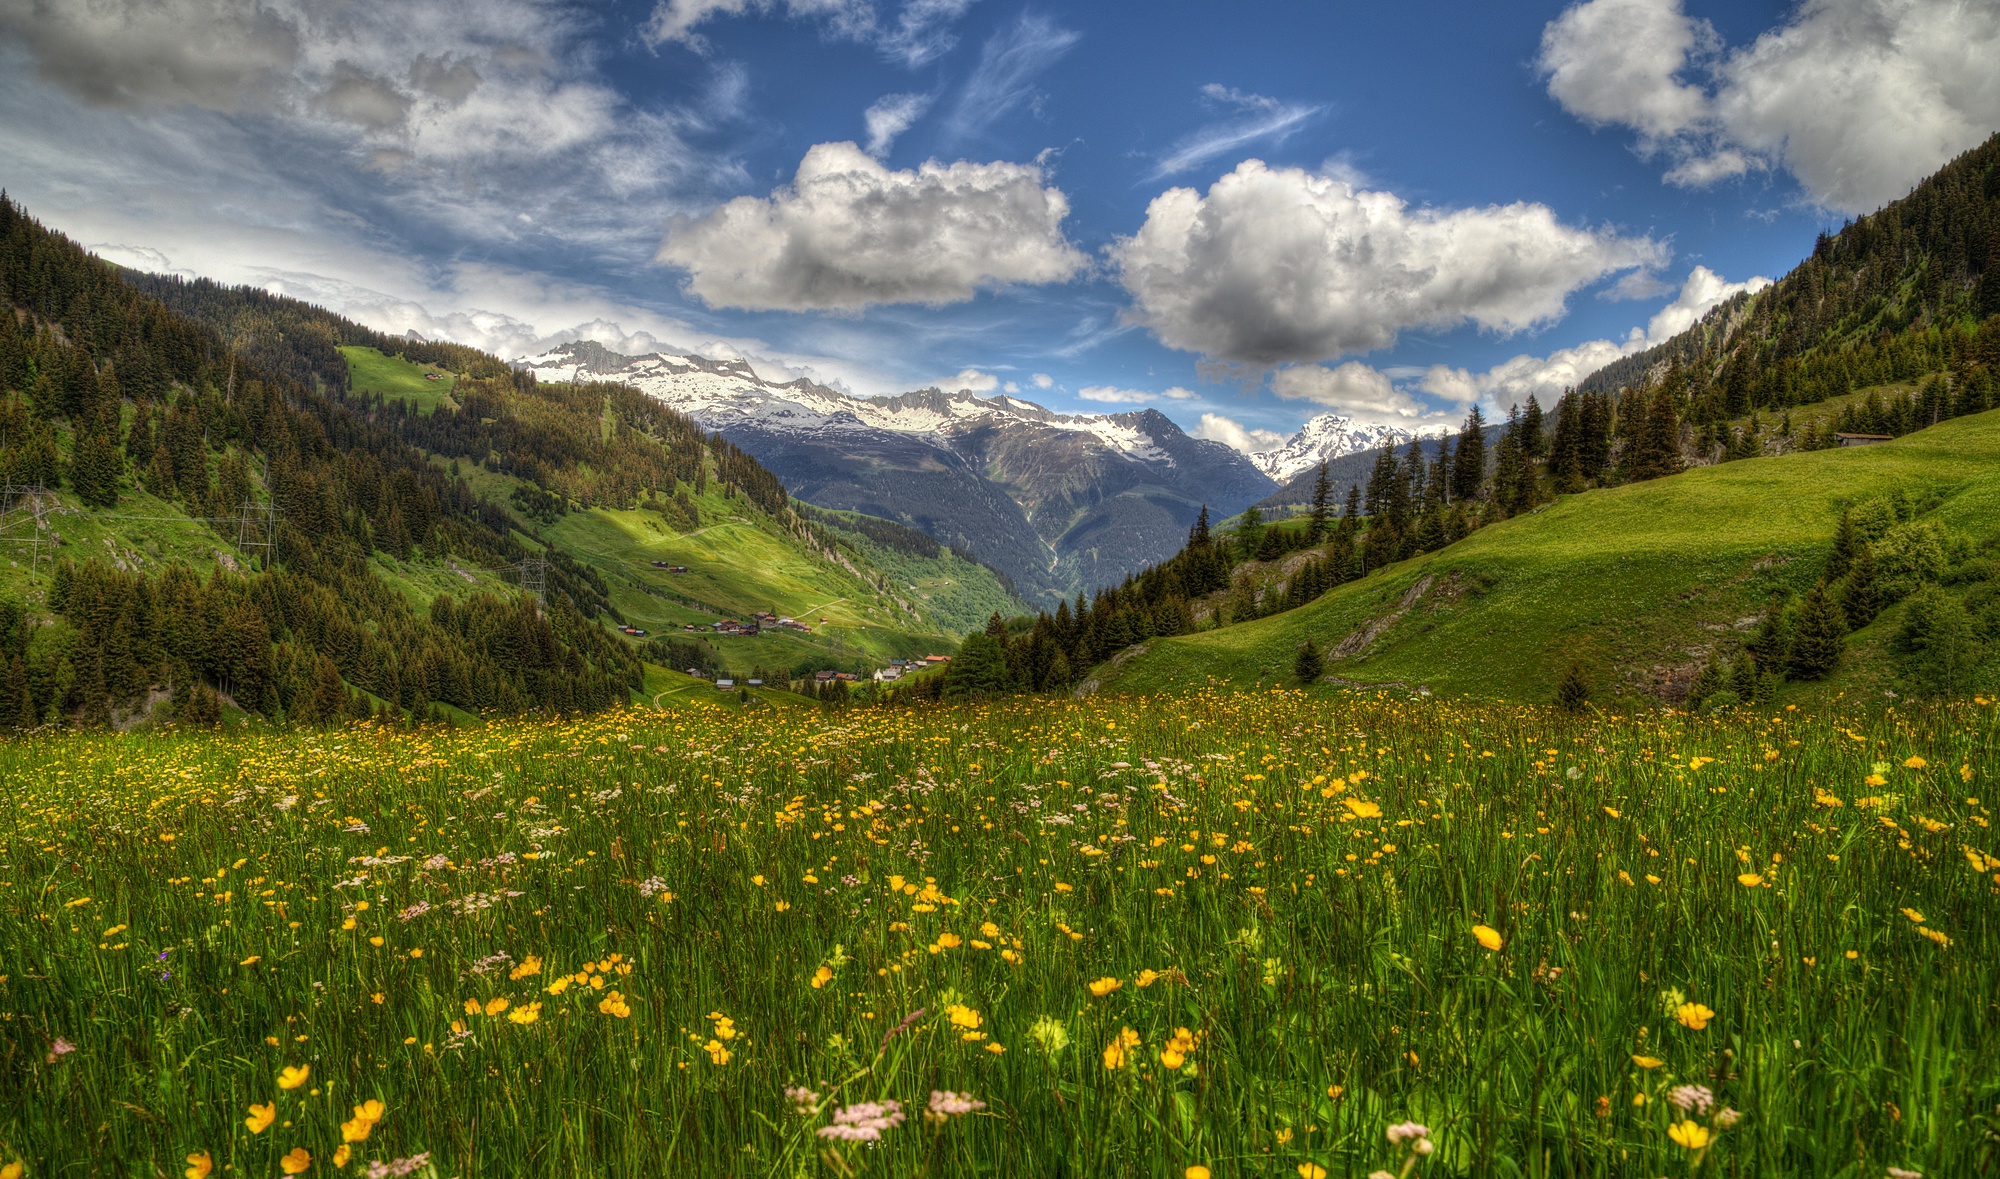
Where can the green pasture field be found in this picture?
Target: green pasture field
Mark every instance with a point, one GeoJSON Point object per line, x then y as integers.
{"type": "Point", "coordinates": [1225, 933]}
{"type": "Point", "coordinates": [1636, 581]}
{"type": "Point", "coordinates": [369, 371]}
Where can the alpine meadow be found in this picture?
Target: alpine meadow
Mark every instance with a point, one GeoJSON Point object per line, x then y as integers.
{"type": "Point", "coordinates": [888, 589]}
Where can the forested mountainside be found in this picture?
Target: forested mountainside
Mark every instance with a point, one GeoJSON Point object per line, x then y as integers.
{"type": "Point", "coordinates": [1893, 296]}
{"type": "Point", "coordinates": [199, 512]}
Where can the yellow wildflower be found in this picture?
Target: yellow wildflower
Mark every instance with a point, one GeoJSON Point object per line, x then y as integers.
{"type": "Point", "coordinates": [200, 1165]}
{"type": "Point", "coordinates": [1116, 1050]}
{"type": "Point", "coordinates": [1690, 1134]}
{"type": "Point", "coordinates": [1693, 1015]}
{"type": "Point", "coordinates": [1488, 936]}
{"type": "Point", "coordinates": [1105, 986]}
{"type": "Point", "coordinates": [294, 1075]}
{"type": "Point", "coordinates": [296, 1162]}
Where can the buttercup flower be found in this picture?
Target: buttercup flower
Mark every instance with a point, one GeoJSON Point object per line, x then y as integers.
{"type": "Point", "coordinates": [1690, 1134]}
{"type": "Point", "coordinates": [1693, 1015]}
{"type": "Point", "coordinates": [1488, 936]}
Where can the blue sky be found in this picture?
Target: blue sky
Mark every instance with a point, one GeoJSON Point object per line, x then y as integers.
{"type": "Point", "coordinates": [1389, 210]}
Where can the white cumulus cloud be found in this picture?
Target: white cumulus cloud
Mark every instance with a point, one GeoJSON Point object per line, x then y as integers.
{"type": "Point", "coordinates": [1281, 264]}
{"type": "Point", "coordinates": [1216, 428]}
{"type": "Point", "coordinates": [1512, 382]}
{"type": "Point", "coordinates": [1857, 99]}
{"type": "Point", "coordinates": [1358, 390]}
{"type": "Point", "coordinates": [848, 232]}
{"type": "Point", "coordinates": [972, 380]}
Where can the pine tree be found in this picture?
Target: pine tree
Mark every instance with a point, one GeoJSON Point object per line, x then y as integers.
{"type": "Point", "coordinates": [1772, 644]}
{"type": "Point", "coordinates": [1656, 451]}
{"type": "Point", "coordinates": [1250, 533]}
{"type": "Point", "coordinates": [1573, 688]}
{"type": "Point", "coordinates": [1309, 665]}
{"type": "Point", "coordinates": [1845, 544]}
{"type": "Point", "coordinates": [1714, 678]}
{"type": "Point", "coordinates": [1468, 466]}
{"type": "Point", "coordinates": [1531, 428]}
{"type": "Point", "coordinates": [1322, 506]}
{"type": "Point", "coordinates": [1059, 675]}
{"type": "Point", "coordinates": [1820, 639]}
{"type": "Point", "coordinates": [1860, 597]}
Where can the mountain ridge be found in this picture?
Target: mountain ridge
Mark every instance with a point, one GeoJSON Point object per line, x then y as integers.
{"type": "Point", "coordinates": [1059, 502]}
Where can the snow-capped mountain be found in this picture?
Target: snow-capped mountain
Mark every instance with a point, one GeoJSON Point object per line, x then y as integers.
{"type": "Point", "coordinates": [1330, 436]}
{"type": "Point", "coordinates": [1059, 502]}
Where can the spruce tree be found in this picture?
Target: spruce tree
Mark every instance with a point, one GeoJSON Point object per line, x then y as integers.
{"type": "Point", "coordinates": [1059, 675]}
{"type": "Point", "coordinates": [1322, 507]}
{"type": "Point", "coordinates": [1713, 678]}
{"type": "Point", "coordinates": [1573, 688]}
{"type": "Point", "coordinates": [1656, 451]}
{"type": "Point", "coordinates": [1531, 428]}
{"type": "Point", "coordinates": [1860, 598]}
{"type": "Point", "coordinates": [1845, 543]}
{"type": "Point", "coordinates": [1468, 466]}
{"type": "Point", "coordinates": [1309, 665]}
{"type": "Point", "coordinates": [1820, 639]}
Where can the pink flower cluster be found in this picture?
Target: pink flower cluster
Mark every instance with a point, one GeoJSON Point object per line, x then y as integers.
{"type": "Point", "coordinates": [864, 1122]}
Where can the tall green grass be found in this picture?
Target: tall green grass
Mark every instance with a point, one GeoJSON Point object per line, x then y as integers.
{"type": "Point", "coordinates": [188, 912]}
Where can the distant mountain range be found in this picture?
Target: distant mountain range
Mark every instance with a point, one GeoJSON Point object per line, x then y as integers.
{"type": "Point", "coordinates": [1059, 502]}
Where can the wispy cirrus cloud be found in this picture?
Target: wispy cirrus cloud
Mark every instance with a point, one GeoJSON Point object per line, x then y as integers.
{"type": "Point", "coordinates": [1255, 119]}
{"type": "Point", "coordinates": [1112, 395]}
{"type": "Point", "coordinates": [891, 115]}
{"type": "Point", "coordinates": [1004, 80]}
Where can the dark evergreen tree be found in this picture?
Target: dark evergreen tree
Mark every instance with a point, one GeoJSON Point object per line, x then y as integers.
{"type": "Point", "coordinates": [1573, 688]}
{"type": "Point", "coordinates": [1468, 468]}
{"type": "Point", "coordinates": [1310, 664]}
{"type": "Point", "coordinates": [1820, 638]}
{"type": "Point", "coordinates": [1322, 507]}
{"type": "Point", "coordinates": [1860, 597]}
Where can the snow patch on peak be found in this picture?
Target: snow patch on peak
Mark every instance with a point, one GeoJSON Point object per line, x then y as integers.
{"type": "Point", "coordinates": [1329, 436]}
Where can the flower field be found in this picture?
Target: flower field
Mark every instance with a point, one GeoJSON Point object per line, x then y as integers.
{"type": "Point", "coordinates": [1211, 934]}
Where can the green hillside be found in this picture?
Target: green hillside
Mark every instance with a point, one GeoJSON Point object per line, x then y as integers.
{"type": "Point", "coordinates": [1640, 583]}
{"type": "Point", "coordinates": [227, 505]}
{"type": "Point", "coordinates": [939, 583]}
{"type": "Point", "coordinates": [426, 386]}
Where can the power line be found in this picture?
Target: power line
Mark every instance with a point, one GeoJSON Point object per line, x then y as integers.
{"type": "Point", "coordinates": [535, 576]}
{"type": "Point", "coordinates": [24, 512]}
{"type": "Point", "coordinates": [257, 528]}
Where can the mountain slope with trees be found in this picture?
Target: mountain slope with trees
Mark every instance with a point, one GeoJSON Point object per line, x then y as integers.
{"type": "Point", "coordinates": [1888, 329]}
{"type": "Point", "coordinates": [199, 512]}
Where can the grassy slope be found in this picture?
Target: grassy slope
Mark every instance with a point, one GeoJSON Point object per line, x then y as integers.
{"type": "Point", "coordinates": [951, 593]}
{"type": "Point", "coordinates": [369, 371]}
{"type": "Point", "coordinates": [1637, 581]}
{"type": "Point", "coordinates": [739, 562]}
